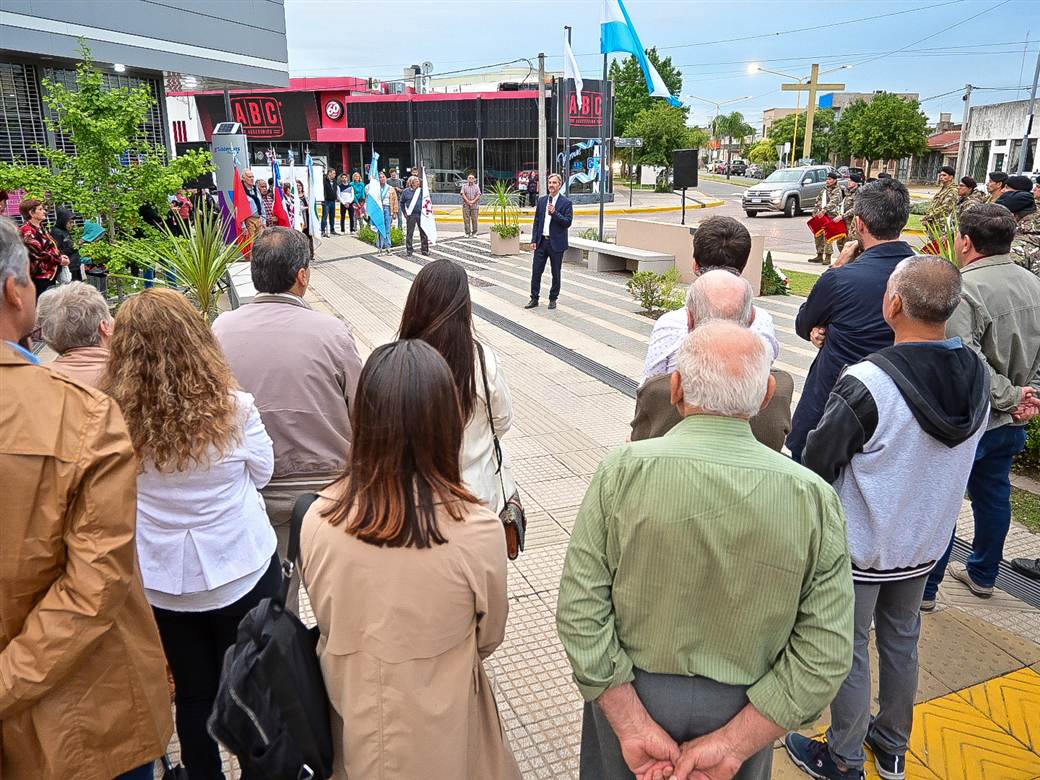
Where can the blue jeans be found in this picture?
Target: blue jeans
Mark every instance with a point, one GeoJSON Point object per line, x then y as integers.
{"type": "Point", "coordinates": [382, 243]}
{"type": "Point", "coordinates": [989, 487]}
{"type": "Point", "coordinates": [328, 211]}
{"type": "Point", "coordinates": [145, 772]}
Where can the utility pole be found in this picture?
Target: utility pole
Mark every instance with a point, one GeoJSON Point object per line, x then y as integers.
{"type": "Point", "coordinates": [962, 150]}
{"type": "Point", "coordinates": [1029, 121]}
{"type": "Point", "coordinates": [567, 120]}
{"type": "Point", "coordinates": [543, 171]}
{"type": "Point", "coordinates": [812, 86]}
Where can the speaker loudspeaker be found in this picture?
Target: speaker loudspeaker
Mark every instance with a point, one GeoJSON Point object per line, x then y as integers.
{"type": "Point", "coordinates": [684, 167]}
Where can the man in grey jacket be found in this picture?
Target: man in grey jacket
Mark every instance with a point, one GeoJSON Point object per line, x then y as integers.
{"type": "Point", "coordinates": [998, 317]}
{"type": "Point", "coordinates": [897, 440]}
{"type": "Point", "coordinates": [302, 367]}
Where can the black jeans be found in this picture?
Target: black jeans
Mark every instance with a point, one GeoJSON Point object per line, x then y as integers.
{"type": "Point", "coordinates": [344, 209]}
{"type": "Point", "coordinates": [195, 643]}
{"type": "Point", "coordinates": [542, 253]}
{"type": "Point", "coordinates": [413, 223]}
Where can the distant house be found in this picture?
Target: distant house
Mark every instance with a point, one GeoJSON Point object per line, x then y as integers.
{"type": "Point", "coordinates": [942, 150]}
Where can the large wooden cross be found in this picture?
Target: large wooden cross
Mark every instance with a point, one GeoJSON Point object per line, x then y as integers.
{"type": "Point", "coordinates": [812, 86]}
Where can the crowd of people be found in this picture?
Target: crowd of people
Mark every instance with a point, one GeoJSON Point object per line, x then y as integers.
{"type": "Point", "coordinates": [716, 594]}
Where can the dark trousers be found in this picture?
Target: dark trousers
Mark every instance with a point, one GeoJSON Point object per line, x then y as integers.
{"type": "Point", "coordinates": [344, 210]}
{"type": "Point", "coordinates": [353, 218]}
{"type": "Point", "coordinates": [424, 242]}
{"type": "Point", "coordinates": [542, 253]}
{"type": "Point", "coordinates": [685, 707]}
{"type": "Point", "coordinates": [989, 488]}
{"type": "Point", "coordinates": [328, 210]}
{"type": "Point", "coordinates": [195, 643]}
{"type": "Point", "coordinates": [532, 199]}
{"type": "Point", "coordinates": [145, 772]}
{"type": "Point", "coordinates": [42, 285]}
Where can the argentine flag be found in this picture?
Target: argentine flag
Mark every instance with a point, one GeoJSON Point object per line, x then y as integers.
{"type": "Point", "coordinates": [617, 34]}
{"type": "Point", "coordinates": [374, 201]}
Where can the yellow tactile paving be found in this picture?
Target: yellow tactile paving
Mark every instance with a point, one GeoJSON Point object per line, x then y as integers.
{"type": "Point", "coordinates": [1013, 703]}
{"type": "Point", "coordinates": [956, 741]}
{"type": "Point", "coordinates": [915, 770]}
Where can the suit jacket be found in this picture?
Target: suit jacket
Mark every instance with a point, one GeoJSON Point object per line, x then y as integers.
{"type": "Point", "coordinates": [655, 415]}
{"type": "Point", "coordinates": [558, 225]}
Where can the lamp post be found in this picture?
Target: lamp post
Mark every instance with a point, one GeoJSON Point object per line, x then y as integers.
{"type": "Point", "coordinates": [718, 108]}
{"type": "Point", "coordinates": [811, 85]}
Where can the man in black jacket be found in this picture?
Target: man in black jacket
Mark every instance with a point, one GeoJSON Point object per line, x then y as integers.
{"type": "Point", "coordinates": [842, 316]}
{"type": "Point", "coordinates": [328, 208]}
{"type": "Point", "coordinates": [552, 219]}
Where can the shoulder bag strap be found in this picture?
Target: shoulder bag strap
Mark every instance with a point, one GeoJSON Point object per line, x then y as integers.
{"type": "Point", "coordinates": [303, 503]}
{"type": "Point", "coordinates": [491, 419]}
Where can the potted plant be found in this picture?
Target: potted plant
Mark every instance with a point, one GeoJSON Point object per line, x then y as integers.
{"type": "Point", "coordinates": [504, 204]}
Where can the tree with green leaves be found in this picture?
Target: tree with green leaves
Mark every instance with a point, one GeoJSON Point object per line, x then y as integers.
{"type": "Point", "coordinates": [733, 127]}
{"type": "Point", "coordinates": [114, 169]}
{"type": "Point", "coordinates": [763, 152]}
{"type": "Point", "coordinates": [889, 127]}
{"type": "Point", "coordinates": [663, 130]}
{"type": "Point", "coordinates": [781, 131]}
{"type": "Point", "coordinates": [630, 93]}
{"type": "Point", "coordinates": [840, 138]}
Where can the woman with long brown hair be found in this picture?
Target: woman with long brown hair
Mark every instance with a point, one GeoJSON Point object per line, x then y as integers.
{"type": "Point", "coordinates": [439, 311]}
{"type": "Point", "coordinates": [406, 573]}
{"type": "Point", "coordinates": [206, 548]}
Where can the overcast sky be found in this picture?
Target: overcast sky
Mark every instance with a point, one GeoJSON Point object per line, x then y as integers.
{"type": "Point", "coordinates": [925, 46]}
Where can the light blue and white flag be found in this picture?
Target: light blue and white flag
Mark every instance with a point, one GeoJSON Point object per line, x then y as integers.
{"type": "Point", "coordinates": [314, 186]}
{"type": "Point", "coordinates": [374, 200]}
{"type": "Point", "coordinates": [617, 33]}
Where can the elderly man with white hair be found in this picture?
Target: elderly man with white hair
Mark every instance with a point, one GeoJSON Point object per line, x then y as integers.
{"type": "Point", "coordinates": [706, 599]}
{"type": "Point", "coordinates": [717, 294]}
{"type": "Point", "coordinates": [75, 322]}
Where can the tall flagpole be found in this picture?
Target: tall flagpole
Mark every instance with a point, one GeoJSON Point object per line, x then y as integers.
{"type": "Point", "coordinates": [567, 125]}
{"type": "Point", "coordinates": [608, 109]}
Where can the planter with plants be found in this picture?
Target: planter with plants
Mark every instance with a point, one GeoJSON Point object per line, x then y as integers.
{"type": "Point", "coordinates": [504, 203]}
{"type": "Point", "coordinates": [656, 293]}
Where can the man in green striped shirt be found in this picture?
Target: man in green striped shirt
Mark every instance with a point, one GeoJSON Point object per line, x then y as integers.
{"type": "Point", "coordinates": [706, 602]}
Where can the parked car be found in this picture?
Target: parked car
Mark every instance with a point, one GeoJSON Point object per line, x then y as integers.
{"type": "Point", "coordinates": [788, 190]}
{"type": "Point", "coordinates": [736, 167]}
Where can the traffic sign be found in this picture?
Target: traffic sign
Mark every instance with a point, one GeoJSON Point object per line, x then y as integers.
{"type": "Point", "coordinates": [628, 143]}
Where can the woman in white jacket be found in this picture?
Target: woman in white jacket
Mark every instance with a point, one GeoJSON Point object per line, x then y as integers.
{"type": "Point", "coordinates": [439, 312]}
{"type": "Point", "coordinates": [206, 548]}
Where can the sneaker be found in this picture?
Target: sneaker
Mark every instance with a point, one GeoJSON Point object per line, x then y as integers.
{"type": "Point", "coordinates": [928, 605]}
{"type": "Point", "coordinates": [813, 758]}
{"type": "Point", "coordinates": [1030, 567]}
{"type": "Point", "coordinates": [889, 765]}
{"type": "Point", "coordinates": [531, 303]}
{"type": "Point", "coordinates": [962, 576]}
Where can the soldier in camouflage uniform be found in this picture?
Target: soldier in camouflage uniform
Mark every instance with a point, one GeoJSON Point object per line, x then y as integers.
{"type": "Point", "coordinates": [828, 202]}
{"type": "Point", "coordinates": [851, 234]}
{"type": "Point", "coordinates": [1025, 249]}
{"type": "Point", "coordinates": [945, 201]}
{"type": "Point", "coordinates": [968, 195]}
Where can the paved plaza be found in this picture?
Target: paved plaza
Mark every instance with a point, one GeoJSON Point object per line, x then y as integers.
{"type": "Point", "coordinates": [572, 374]}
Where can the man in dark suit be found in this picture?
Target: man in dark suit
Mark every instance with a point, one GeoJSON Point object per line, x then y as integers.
{"type": "Point", "coordinates": [552, 218]}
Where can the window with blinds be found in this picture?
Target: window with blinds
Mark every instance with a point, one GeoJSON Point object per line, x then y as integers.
{"type": "Point", "coordinates": [21, 118]}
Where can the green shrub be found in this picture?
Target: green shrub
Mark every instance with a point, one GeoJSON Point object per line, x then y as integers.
{"type": "Point", "coordinates": [369, 236]}
{"type": "Point", "coordinates": [1030, 457]}
{"type": "Point", "coordinates": [663, 185]}
{"type": "Point", "coordinates": [773, 281]}
{"type": "Point", "coordinates": [656, 292]}
{"type": "Point", "coordinates": [506, 231]}
{"type": "Point", "coordinates": [920, 207]}
{"type": "Point", "coordinates": [592, 234]}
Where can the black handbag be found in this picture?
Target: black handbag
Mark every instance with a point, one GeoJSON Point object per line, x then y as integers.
{"type": "Point", "coordinates": [272, 709]}
{"type": "Point", "coordinates": [512, 515]}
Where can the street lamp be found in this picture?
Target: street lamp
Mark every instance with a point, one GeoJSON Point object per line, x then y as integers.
{"type": "Point", "coordinates": [718, 108]}
{"type": "Point", "coordinates": [813, 82]}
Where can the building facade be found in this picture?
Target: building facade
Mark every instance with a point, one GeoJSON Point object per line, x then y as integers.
{"type": "Point", "coordinates": [133, 42]}
{"type": "Point", "coordinates": [771, 115]}
{"type": "Point", "coordinates": [993, 139]}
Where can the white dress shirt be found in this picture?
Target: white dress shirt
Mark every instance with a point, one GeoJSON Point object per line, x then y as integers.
{"type": "Point", "coordinates": [206, 527]}
{"type": "Point", "coordinates": [673, 326]}
{"type": "Point", "coordinates": [548, 216]}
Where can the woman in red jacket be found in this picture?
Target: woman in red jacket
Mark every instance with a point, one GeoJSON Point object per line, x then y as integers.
{"type": "Point", "coordinates": [44, 256]}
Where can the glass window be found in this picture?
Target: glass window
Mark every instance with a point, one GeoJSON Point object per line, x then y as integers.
{"type": "Point", "coordinates": [1016, 153]}
{"type": "Point", "coordinates": [998, 161]}
{"type": "Point", "coordinates": [448, 163]}
{"type": "Point", "coordinates": [978, 157]}
{"type": "Point", "coordinates": [509, 161]}
{"type": "Point", "coordinates": [21, 122]}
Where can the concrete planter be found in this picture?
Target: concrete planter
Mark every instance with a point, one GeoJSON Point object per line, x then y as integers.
{"type": "Point", "coordinates": [504, 246]}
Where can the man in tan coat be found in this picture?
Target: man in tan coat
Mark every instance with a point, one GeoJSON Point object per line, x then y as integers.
{"type": "Point", "coordinates": [302, 367]}
{"type": "Point", "coordinates": [82, 683]}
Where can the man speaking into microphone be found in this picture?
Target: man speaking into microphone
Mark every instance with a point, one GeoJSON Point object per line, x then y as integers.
{"type": "Point", "coordinates": [552, 219]}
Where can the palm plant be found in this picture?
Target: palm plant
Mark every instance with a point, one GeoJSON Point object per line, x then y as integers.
{"type": "Point", "coordinates": [196, 261]}
{"type": "Point", "coordinates": [504, 203]}
{"type": "Point", "coordinates": [942, 238]}
{"type": "Point", "coordinates": [732, 126]}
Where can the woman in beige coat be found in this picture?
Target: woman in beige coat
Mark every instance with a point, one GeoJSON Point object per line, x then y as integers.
{"type": "Point", "coordinates": [406, 573]}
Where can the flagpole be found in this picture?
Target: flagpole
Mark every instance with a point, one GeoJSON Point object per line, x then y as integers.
{"type": "Point", "coordinates": [607, 109]}
{"type": "Point", "coordinates": [567, 126]}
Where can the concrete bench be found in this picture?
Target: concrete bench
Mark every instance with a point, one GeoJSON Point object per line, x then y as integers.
{"type": "Point", "coordinates": [612, 257]}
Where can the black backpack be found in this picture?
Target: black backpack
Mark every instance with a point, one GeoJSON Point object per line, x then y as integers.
{"type": "Point", "coordinates": [272, 710]}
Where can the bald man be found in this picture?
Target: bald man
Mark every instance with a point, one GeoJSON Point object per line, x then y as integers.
{"type": "Point", "coordinates": [715, 295]}
{"type": "Point", "coordinates": [897, 441]}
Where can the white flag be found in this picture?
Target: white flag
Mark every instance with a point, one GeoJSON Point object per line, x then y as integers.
{"type": "Point", "coordinates": [570, 68]}
{"type": "Point", "coordinates": [426, 221]}
{"type": "Point", "coordinates": [298, 217]}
